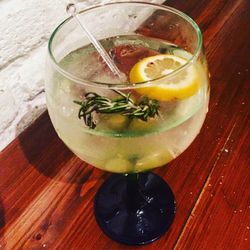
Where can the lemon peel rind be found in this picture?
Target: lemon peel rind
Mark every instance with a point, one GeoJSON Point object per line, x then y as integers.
{"type": "Point", "coordinates": [169, 90]}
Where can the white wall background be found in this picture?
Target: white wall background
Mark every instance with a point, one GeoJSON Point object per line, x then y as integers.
{"type": "Point", "coordinates": [25, 26]}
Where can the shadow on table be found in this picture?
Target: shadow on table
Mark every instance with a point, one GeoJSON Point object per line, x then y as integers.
{"type": "Point", "coordinates": [47, 153]}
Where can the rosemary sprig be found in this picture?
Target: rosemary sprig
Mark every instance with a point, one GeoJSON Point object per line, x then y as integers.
{"type": "Point", "coordinates": [124, 105]}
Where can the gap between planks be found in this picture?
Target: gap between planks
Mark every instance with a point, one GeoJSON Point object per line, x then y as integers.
{"type": "Point", "coordinates": [204, 187]}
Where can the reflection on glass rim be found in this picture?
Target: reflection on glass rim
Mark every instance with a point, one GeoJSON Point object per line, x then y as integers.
{"type": "Point", "coordinates": [126, 85]}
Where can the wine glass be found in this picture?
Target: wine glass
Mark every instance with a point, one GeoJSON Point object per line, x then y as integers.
{"type": "Point", "coordinates": [129, 128]}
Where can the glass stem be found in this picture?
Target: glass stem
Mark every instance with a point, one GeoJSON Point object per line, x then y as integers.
{"type": "Point", "coordinates": [133, 196]}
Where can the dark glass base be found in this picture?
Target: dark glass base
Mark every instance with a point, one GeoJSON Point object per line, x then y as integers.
{"type": "Point", "coordinates": [134, 209]}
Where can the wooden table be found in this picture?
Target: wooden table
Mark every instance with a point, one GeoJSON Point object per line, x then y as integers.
{"type": "Point", "coordinates": [46, 193]}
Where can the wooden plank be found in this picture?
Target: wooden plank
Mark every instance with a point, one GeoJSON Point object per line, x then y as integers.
{"type": "Point", "coordinates": [221, 216]}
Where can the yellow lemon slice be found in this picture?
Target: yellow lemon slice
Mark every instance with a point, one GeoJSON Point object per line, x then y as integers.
{"type": "Point", "coordinates": [182, 85]}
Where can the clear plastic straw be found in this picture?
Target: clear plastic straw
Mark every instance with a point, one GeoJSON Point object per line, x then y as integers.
{"type": "Point", "coordinates": [72, 10]}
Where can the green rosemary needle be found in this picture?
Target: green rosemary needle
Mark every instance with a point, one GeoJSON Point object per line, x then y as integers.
{"type": "Point", "coordinates": [124, 105]}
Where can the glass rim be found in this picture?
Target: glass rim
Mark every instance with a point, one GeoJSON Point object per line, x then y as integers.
{"type": "Point", "coordinates": [123, 85]}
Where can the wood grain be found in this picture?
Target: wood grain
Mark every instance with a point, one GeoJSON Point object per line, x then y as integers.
{"type": "Point", "coordinates": [46, 193]}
